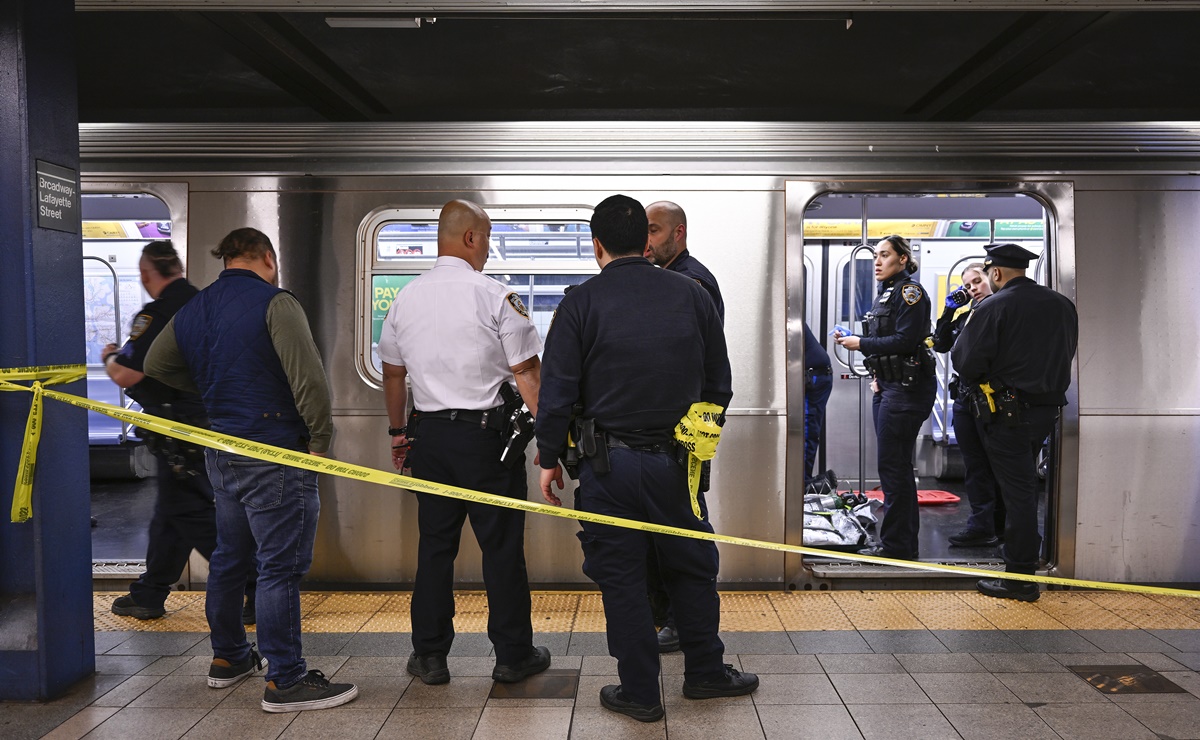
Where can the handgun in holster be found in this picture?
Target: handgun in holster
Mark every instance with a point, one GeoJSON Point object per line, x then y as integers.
{"type": "Point", "coordinates": [983, 406]}
{"type": "Point", "coordinates": [592, 445]}
{"type": "Point", "coordinates": [518, 426]}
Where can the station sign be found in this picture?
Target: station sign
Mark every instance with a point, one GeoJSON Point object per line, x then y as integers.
{"type": "Point", "coordinates": [57, 192]}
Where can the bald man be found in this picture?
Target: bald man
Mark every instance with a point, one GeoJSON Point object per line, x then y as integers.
{"type": "Point", "coordinates": [458, 364]}
{"type": "Point", "coordinates": [666, 246]}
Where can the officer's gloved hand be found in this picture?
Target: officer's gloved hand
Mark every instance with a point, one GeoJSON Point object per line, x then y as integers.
{"type": "Point", "coordinates": [957, 299]}
{"type": "Point", "coordinates": [840, 331]}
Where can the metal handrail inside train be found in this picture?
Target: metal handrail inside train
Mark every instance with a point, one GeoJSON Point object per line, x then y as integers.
{"type": "Point", "coordinates": [121, 400]}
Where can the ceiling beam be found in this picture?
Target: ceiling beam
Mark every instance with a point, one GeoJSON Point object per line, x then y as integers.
{"type": "Point", "coordinates": [277, 50]}
{"type": "Point", "coordinates": [519, 7]}
{"type": "Point", "coordinates": [1028, 47]}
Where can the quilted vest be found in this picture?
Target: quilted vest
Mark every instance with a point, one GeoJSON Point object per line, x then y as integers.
{"type": "Point", "coordinates": [223, 337]}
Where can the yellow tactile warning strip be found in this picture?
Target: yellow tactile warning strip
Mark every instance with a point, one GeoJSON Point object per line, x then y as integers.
{"type": "Point", "coordinates": [741, 611]}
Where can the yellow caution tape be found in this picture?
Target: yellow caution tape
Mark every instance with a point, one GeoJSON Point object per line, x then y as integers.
{"type": "Point", "coordinates": [282, 456]}
{"type": "Point", "coordinates": [699, 431]}
{"type": "Point", "coordinates": [22, 505]}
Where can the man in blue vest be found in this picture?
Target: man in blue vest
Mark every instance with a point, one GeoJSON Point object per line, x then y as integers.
{"type": "Point", "coordinates": [245, 346]}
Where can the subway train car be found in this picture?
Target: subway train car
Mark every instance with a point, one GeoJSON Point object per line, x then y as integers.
{"type": "Point", "coordinates": [783, 215]}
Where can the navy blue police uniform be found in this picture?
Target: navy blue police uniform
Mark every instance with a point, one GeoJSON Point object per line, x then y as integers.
{"type": "Point", "coordinates": [986, 520]}
{"type": "Point", "coordinates": [636, 347]}
{"type": "Point", "coordinates": [818, 384]}
{"type": "Point", "coordinates": [1022, 340]}
{"type": "Point", "coordinates": [184, 511]}
{"type": "Point", "coordinates": [898, 324]}
{"type": "Point", "coordinates": [688, 266]}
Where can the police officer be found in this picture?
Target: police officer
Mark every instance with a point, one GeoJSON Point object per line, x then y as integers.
{"type": "Point", "coordinates": [1019, 344]}
{"type": "Point", "coordinates": [666, 246]}
{"type": "Point", "coordinates": [818, 384]}
{"type": "Point", "coordinates": [459, 366]}
{"type": "Point", "coordinates": [983, 493]}
{"type": "Point", "coordinates": [904, 386]}
{"type": "Point", "coordinates": [184, 513]}
{"type": "Point", "coordinates": [636, 348]}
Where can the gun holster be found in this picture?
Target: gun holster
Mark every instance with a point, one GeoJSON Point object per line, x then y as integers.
{"type": "Point", "coordinates": [185, 460]}
{"type": "Point", "coordinates": [518, 426]}
{"type": "Point", "coordinates": [592, 445]}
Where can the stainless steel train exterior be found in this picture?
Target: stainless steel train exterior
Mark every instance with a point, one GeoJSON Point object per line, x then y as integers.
{"type": "Point", "coordinates": [1122, 204]}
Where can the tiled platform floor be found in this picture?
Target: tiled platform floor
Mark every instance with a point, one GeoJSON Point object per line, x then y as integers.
{"type": "Point", "coordinates": [843, 664]}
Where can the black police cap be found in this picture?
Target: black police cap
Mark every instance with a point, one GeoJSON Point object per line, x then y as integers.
{"type": "Point", "coordinates": [1008, 255]}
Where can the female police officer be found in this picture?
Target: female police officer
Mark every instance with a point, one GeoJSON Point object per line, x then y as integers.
{"type": "Point", "coordinates": [904, 386]}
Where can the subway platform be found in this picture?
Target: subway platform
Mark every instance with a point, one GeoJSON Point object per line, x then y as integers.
{"type": "Point", "coordinates": [833, 664]}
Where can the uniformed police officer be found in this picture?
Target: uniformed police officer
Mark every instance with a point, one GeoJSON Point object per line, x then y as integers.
{"type": "Point", "coordinates": [184, 512]}
{"type": "Point", "coordinates": [636, 348]}
{"type": "Point", "coordinates": [1019, 344]}
{"type": "Point", "coordinates": [986, 520]}
{"type": "Point", "coordinates": [904, 386]}
{"type": "Point", "coordinates": [459, 337]}
{"type": "Point", "coordinates": [666, 246]}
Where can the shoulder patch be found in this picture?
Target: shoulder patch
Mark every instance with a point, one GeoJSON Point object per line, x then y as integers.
{"type": "Point", "coordinates": [911, 294]}
{"type": "Point", "coordinates": [514, 300]}
{"type": "Point", "coordinates": [141, 323]}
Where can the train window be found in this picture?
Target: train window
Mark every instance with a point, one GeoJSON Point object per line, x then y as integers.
{"type": "Point", "coordinates": [537, 252]}
{"type": "Point", "coordinates": [115, 228]}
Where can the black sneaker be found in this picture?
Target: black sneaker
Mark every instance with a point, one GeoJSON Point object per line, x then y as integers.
{"type": "Point", "coordinates": [125, 606]}
{"type": "Point", "coordinates": [311, 692]}
{"type": "Point", "coordinates": [431, 669]}
{"type": "Point", "coordinates": [1004, 588]}
{"type": "Point", "coordinates": [969, 538]}
{"type": "Point", "coordinates": [537, 661]}
{"type": "Point", "coordinates": [612, 698]}
{"type": "Point", "coordinates": [668, 640]}
{"type": "Point", "coordinates": [222, 673]}
{"type": "Point", "coordinates": [735, 683]}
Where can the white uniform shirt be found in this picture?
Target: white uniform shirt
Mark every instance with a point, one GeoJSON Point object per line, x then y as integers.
{"type": "Point", "coordinates": [458, 333]}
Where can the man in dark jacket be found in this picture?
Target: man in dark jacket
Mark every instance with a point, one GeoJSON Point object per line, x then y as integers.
{"type": "Point", "coordinates": [637, 348]}
{"type": "Point", "coordinates": [1019, 344]}
{"type": "Point", "coordinates": [245, 346]}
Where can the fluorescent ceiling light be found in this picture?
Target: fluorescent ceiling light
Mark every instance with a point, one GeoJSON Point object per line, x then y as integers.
{"type": "Point", "coordinates": [372, 21]}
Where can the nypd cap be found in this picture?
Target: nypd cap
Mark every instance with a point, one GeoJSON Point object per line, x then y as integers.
{"type": "Point", "coordinates": [1008, 255]}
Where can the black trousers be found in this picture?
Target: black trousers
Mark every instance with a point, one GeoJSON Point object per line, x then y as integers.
{"type": "Point", "coordinates": [461, 454]}
{"type": "Point", "coordinates": [184, 519]}
{"type": "Point", "coordinates": [898, 416]}
{"type": "Point", "coordinates": [983, 493]}
{"type": "Point", "coordinates": [650, 487]}
{"type": "Point", "coordinates": [1012, 452]}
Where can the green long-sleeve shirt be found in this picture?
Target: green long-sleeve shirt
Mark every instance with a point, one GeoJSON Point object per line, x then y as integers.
{"type": "Point", "coordinates": [293, 341]}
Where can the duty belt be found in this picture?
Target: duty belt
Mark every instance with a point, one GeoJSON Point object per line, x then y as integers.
{"type": "Point", "coordinates": [486, 419]}
{"type": "Point", "coordinates": [669, 447]}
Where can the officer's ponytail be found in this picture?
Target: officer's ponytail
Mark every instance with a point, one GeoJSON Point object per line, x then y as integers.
{"type": "Point", "coordinates": [902, 247]}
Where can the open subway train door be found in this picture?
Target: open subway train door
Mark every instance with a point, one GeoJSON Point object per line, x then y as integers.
{"type": "Point", "coordinates": [832, 229]}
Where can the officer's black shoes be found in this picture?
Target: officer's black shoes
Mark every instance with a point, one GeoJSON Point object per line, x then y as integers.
{"type": "Point", "coordinates": [537, 661]}
{"type": "Point", "coordinates": [668, 639]}
{"type": "Point", "coordinates": [311, 692]}
{"type": "Point", "coordinates": [222, 673]}
{"type": "Point", "coordinates": [1003, 588]}
{"type": "Point", "coordinates": [248, 615]}
{"type": "Point", "coordinates": [431, 669]}
{"type": "Point", "coordinates": [125, 606]}
{"type": "Point", "coordinates": [971, 538]}
{"type": "Point", "coordinates": [879, 552]}
{"type": "Point", "coordinates": [613, 699]}
{"type": "Point", "coordinates": [735, 683]}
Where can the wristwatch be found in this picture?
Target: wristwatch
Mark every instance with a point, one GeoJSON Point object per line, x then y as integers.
{"type": "Point", "coordinates": [396, 431]}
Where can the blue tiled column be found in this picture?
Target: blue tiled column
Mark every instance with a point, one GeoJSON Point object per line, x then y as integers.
{"type": "Point", "coordinates": [46, 632]}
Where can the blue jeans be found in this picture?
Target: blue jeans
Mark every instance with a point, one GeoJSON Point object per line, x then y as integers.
{"type": "Point", "coordinates": [266, 514]}
{"type": "Point", "coordinates": [816, 397]}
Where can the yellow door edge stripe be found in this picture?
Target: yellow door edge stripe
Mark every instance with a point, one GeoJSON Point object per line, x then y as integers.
{"type": "Point", "coordinates": [282, 456]}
